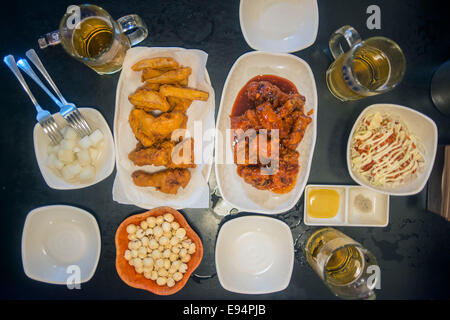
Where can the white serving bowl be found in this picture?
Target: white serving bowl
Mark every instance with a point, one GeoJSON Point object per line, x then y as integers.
{"type": "Point", "coordinates": [279, 25]}
{"type": "Point", "coordinates": [254, 255]}
{"type": "Point", "coordinates": [56, 241]}
{"type": "Point", "coordinates": [419, 125]}
{"type": "Point", "coordinates": [233, 189]}
{"type": "Point", "coordinates": [41, 143]}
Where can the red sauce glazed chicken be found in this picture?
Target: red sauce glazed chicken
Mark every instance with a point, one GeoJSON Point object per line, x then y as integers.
{"type": "Point", "coordinates": [268, 123]}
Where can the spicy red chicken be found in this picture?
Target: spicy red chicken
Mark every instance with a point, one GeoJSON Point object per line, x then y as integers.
{"type": "Point", "coordinates": [268, 122]}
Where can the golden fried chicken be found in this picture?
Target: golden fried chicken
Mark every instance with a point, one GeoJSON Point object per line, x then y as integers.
{"type": "Point", "coordinates": [167, 181]}
{"type": "Point", "coordinates": [149, 129]}
{"type": "Point", "coordinates": [149, 100]}
{"type": "Point", "coordinates": [166, 153]}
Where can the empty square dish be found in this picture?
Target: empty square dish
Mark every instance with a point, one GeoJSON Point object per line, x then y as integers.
{"type": "Point", "coordinates": [59, 242]}
{"type": "Point", "coordinates": [279, 25]}
{"type": "Point", "coordinates": [254, 255]}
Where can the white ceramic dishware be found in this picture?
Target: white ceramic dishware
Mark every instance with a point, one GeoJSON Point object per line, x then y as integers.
{"type": "Point", "coordinates": [232, 187]}
{"type": "Point", "coordinates": [41, 144]}
{"type": "Point", "coordinates": [420, 126]}
{"type": "Point", "coordinates": [279, 25]}
{"type": "Point", "coordinates": [254, 255]}
{"type": "Point", "coordinates": [349, 215]}
{"type": "Point", "coordinates": [60, 245]}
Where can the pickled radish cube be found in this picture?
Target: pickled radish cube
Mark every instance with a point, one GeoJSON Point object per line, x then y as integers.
{"type": "Point", "coordinates": [87, 173]}
{"type": "Point", "coordinates": [76, 149]}
{"type": "Point", "coordinates": [84, 157]}
{"type": "Point", "coordinates": [68, 144]}
{"type": "Point", "coordinates": [96, 137]}
{"type": "Point", "coordinates": [66, 155]}
{"type": "Point", "coordinates": [52, 149]}
{"type": "Point", "coordinates": [85, 142]}
{"type": "Point", "coordinates": [58, 164]}
{"type": "Point", "coordinates": [70, 134]}
{"type": "Point", "coordinates": [93, 153]}
{"type": "Point", "coordinates": [63, 130]}
{"type": "Point", "coordinates": [50, 162]}
{"type": "Point", "coordinates": [71, 170]}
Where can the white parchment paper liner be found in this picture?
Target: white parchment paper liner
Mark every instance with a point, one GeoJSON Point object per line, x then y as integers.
{"type": "Point", "coordinates": [196, 193]}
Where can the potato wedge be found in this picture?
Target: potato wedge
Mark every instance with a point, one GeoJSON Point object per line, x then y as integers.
{"type": "Point", "coordinates": [149, 100]}
{"type": "Point", "coordinates": [148, 73]}
{"type": "Point", "coordinates": [185, 93]}
{"type": "Point", "coordinates": [155, 63]}
{"type": "Point", "coordinates": [172, 76]}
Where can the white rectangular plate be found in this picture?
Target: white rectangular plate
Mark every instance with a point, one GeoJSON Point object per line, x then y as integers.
{"type": "Point", "coordinates": [232, 187]}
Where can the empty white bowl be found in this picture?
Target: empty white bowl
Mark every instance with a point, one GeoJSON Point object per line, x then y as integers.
{"type": "Point", "coordinates": [41, 143]}
{"type": "Point", "coordinates": [279, 25]}
{"type": "Point", "coordinates": [57, 242]}
{"type": "Point", "coordinates": [419, 125]}
{"type": "Point", "coordinates": [254, 255]}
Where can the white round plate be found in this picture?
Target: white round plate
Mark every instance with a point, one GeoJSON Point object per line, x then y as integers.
{"type": "Point", "coordinates": [254, 255]}
{"type": "Point", "coordinates": [60, 244]}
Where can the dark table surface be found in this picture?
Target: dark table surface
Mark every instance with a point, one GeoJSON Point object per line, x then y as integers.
{"type": "Point", "coordinates": [413, 250]}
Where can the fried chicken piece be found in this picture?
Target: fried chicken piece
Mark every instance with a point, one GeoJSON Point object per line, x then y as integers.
{"type": "Point", "coordinates": [264, 91]}
{"type": "Point", "coordinates": [149, 100]}
{"type": "Point", "coordinates": [301, 121]}
{"type": "Point", "coordinates": [285, 176]}
{"type": "Point", "coordinates": [166, 153]}
{"type": "Point", "coordinates": [148, 129]}
{"type": "Point", "coordinates": [179, 104]}
{"type": "Point", "coordinates": [253, 176]}
{"type": "Point", "coordinates": [167, 181]}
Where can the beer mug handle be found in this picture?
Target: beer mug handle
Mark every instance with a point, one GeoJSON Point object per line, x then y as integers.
{"type": "Point", "coordinates": [134, 28]}
{"type": "Point", "coordinates": [351, 36]}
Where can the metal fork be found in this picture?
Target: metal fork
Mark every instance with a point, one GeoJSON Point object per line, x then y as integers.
{"type": "Point", "coordinates": [68, 110]}
{"type": "Point", "coordinates": [44, 117]}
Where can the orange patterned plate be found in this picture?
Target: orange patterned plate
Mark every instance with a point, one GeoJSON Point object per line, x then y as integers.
{"type": "Point", "coordinates": [136, 280]}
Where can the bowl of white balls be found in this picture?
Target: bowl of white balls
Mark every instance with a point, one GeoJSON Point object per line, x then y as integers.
{"type": "Point", "coordinates": [157, 251]}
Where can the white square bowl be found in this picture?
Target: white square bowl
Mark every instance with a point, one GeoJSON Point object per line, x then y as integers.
{"type": "Point", "coordinates": [419, 125]}
{"type": "Point", "coordinates": [57, 237]}
{"type": "Point", "coordinates": [254, 255]}
{"type": "Point", "coordinates": [233, 189]}
{"type": "Point", "coordinates": [279, 25]}
{"type": "Point", "coordinates": [41, 143]}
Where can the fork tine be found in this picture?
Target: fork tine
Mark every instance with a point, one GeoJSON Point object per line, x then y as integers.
{"type": "Point", "coordinates": [73, 121]}
{"type": "Point", "coordinates": [82, 121]}
{"type": "Point", "coordinates": [51, 128]}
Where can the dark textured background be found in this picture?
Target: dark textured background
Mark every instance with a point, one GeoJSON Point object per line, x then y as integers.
{"type": "Point", "coordinates": [413, 250]}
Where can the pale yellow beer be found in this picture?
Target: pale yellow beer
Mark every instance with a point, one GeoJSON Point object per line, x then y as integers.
{"type": "Point", "coordinates": [341, 263]}
{"type": "Point", "coordinates": [89, 34]}
{"type": "Point", "coordinates": [370, 67]}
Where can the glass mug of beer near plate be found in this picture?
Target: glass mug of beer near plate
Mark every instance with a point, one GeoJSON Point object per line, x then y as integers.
{"type": "Point", "coordinates": [368, 68]}
{"type": "Point", "coordinates": [348, 269]}
{"type": "Point", "coordinates": [89, 34]}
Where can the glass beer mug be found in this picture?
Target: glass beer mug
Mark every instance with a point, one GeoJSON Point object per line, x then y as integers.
{"type": "Point", "coordinates": [348, 269]}
{"type": "Point", "coordinates": [89, 34]}
{"type": "Point", "coordinates": [370, 67]}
